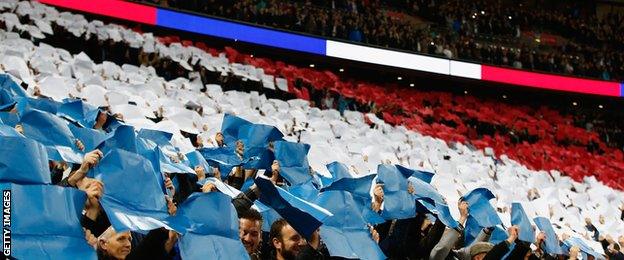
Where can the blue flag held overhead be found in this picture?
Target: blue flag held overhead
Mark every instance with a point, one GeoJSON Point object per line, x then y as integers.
{"type": "Point", "coordinates": [25, 104]}
{"type": "Point", "coordinates": [133, 198]}
{"type": "Point", "coordinates": [520, 219]}
{"type": "Point", "coordinates": [398, 202]}
{"type": "Point", "coordinates": [338, 171]}
{"type": "Point", "coordinates": [11, 87]}
{"type": "Point", "coordinates": [6, 100]}
{"type": "Point", "coordinates": [79, 112]}
{"type": "Point", "coordinates": [480, 208]}
{"type": "Point", "coordinates": [440, 209]}
{"type": "Point", "coordinates": [46, 222]}
{"type": "Point", "coordinates": [224, 158]}
{"type": "Point", "coordinates": [303, 216]}
{"type": "Point", "coordinates": [293, 161]}
{"type": "Point", "coordinates": [23, 161]}
{"type": "Point", "coordinates": [230, 128]}
{"type": "Point", "coordinates": [195, 158]}
{"type": "Point", "coordinates": [422, 175]}
{"type": "Point", "coordinates": [256, 138]}
{"type": "Point", "coordinates": [54, 133]}
{"type": "Point", "coordinates": [359, 187]}
{"type": "Point", "coordinates": [346, 233]}
{"type": "Point", "coordinates": [551, 244]}
{"type": "Point", "coordinates": [123, 137]}
{"type": "Point", "coordinates": [209, 227]}
{"type": "Point", "coordinates": [90, 138]}
{"type": "Point", "coordinates": [306, 191]}
{"type": "Point", "coordinates": [8, 131]}
{"type": "Point", "coordinates": [10, 119]}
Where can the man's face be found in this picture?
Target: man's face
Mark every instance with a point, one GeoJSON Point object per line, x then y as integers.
{"type": "Point", "coordinates": [118, 245]}
{"type": "Point", "coordinates": [290, 243]}
{"type": "Point", "coordinates": [101, 118]}
{"type": "Point", "coordinates": [250, 234]}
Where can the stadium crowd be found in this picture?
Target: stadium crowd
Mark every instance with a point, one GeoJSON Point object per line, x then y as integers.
{"type": "Point", "coordinates": [486, 31]}
{"type": "Point", "coordinates": [425, 232]}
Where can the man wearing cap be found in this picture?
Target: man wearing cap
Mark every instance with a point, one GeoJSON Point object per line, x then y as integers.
{"type": "Point", "coordinates": [479, 249]}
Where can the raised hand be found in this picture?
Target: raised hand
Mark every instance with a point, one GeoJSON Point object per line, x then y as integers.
{"type": "Point", "coordinates": [171, 207]}
{"type": "Point", "coordinates": [513, 234]}
{"type": "Point", "coordinates": [79, 145]}
{"type": "Point", "coordinates": [208, 187]}
{"type": "Point", "coordinates": [463, 211]}
{"type": "Point", "coordinates": [275, 168]}
{"type": "Point", "coordinates": [89, 161]}
{"type": "Point", "coordinates": [91, 239]}
{"type": "Point", "coordinates": [200, 172]}
{"type": "Point", "coordinates": [169, 185]}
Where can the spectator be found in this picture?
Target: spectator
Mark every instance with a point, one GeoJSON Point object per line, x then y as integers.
{"type": "Point", "coordinates": [250, 231]}
{"type": "Point", "coordinates": [286, 242]}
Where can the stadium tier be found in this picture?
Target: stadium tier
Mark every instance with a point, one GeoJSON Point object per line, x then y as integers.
{"type": "Point", "coordinates": [122, 144]}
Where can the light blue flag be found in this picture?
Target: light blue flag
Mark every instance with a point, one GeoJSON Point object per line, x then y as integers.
{"type": "Point", "coordinates": [480, 208]}
{"type": "Point", "coordinates": [123, 137]}
{"type": "Point", "coordinates": [195, 158]}
{"type": "Point", "coordinates": [423, 189]}
{"type": "Point", "coordinates": [230, 128]}
{"type": "Point", "coordinates": [306, 191]}
{"type": "Point", "coordinates": [520, 219]}
{"type": "Point", "coordinates": [359, 187]}
{"type": "Point", "coordinates": [498, 235]}
{"type": "Point", "coordinates": [368, 214]}
{"type": "Point", "coordinates": [9, 85]}
{"type": "Point", "coordinates": [551, 244]}
{"type": "Point", "coordinates": [269, 215]}
{"type": "Point", "coordinates": [225, 158]}
{"type": "Point", "coordinates": [6, 100]}
{"type": "Point", "coordinates": [90, 138]}
{"type": "Point", "coordinates": [23, 161]}
{"type": "Point", "coordinates": [303, 216]}
{"type": "Point", "coordinates": [575, 241]}
{"type": "Point", "coordinates": [169, 166]}
{"type": "Point", "coordinates": [10, 119]}
{"type": "Point", "coordinates": [398, 203]}
{"type": "Point", "coordinates": [345, 233]}
{"type": "Point", "coordinates": [293, 161]}
{"type": "Point", "coordinates": [440, 209]}
{"type": "Point", "coordinates": [54, 133]}
{"type": "Point", "coordinates": [25, 104]}
{"type": "Point", "coordinates": [471, 230]}
{"type": "Point", "coordinates": [209, 227]}
{"type": "Point", "coordinates": [162, 139]}
{"type": "Point", "coordinates": [76, 111]}
{"type": "Point", "coordinates": [8, 131]}
{"type": "Point", "coordinates": [338, 171]}
{"type": "Point", "coordinates": [149, 150]}
{"type": "Point", "coordinates": [256, 138]}
{"type": "Point", "coordinates": [45, 222]}
{"type": "Point", "coordinates": [133, 198]}
{"type": "Point", "coordinates": [221, 186]}
{"type": "Point", "coordinates": [422, 175]}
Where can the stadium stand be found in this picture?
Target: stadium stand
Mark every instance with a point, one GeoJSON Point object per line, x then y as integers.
{"type": "Point", "coordinates": [162, 133]}
{"type": "Point", "coordinates": [558, 37]}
